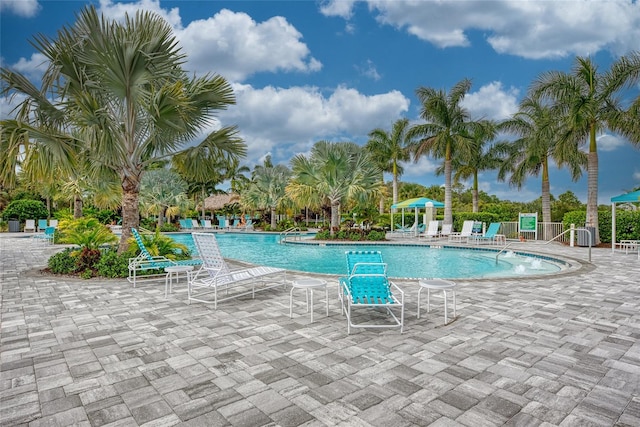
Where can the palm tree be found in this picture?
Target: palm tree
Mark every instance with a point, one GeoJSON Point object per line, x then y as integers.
{"type": "Point", "coordinates": [160, 189]}
{"type": "Point", "coordinates": [122, 88]}
{"type": "Point", "coordinates": [446, 132]}
{"type": "Point", "coordinates": [267, 188]}
{"type": "Point", "coordinates": [208, 163]}
{"type": "Point", "coordinates": [537, 130]}
{"type": "Point", "coordinates": [388, 149]}
{"type": "Point", "coordinates": [336, 172]}
{"type": "Point", "coordinates": [586, 102]}
{"type": "Point", "coordinates": [477, 159]}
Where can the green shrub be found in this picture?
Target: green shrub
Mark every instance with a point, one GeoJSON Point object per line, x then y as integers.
{"type": "Point", "coordinates": [87, 259]}
{"type": "Point", "coordinates": [376, 235]}
{"type": "Point", "coordinates": [25, 209]}
{"type": "Point", "coordinates": [112, 265]}
{"type": "Point", "coordinates": [323, 235]}
{"type": "Point", "coordinates": [627, 224]}
{"type": "Point", "coordinates": [85, 232]}
{"type": "Point", "coordinates": [168, 227]}
{"type": "Point", "coordinates": [63, 262]}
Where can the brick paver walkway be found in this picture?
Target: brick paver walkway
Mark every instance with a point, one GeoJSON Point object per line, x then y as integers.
{"type": "Point", "coordinates": [539, 351]}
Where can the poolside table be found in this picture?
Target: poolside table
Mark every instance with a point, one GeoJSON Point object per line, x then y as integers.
{"type": "Point", "coordinates": [172, 271]}
{"type": "Point", "coordinates": [438, 285]}
{"type": "Point", "coordinates": [308, 284]}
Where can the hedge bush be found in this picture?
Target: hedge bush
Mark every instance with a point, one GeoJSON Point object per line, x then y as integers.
{"type": "Point", "coordinates": [627, 224]}
{"type": "Point", "coordinates": [25, 209]}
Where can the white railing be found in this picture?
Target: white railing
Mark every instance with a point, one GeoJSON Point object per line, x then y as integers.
{"type": "Point", "coordinates": [546, 231]}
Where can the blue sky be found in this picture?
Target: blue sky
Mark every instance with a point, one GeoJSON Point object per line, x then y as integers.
{"type": "Point", "coordinates": [305, 71]}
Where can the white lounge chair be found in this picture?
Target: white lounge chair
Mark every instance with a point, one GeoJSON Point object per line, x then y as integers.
{"type": "Point", "coordinates": [195, 224]}
{"type": "Point", "coordinates": [432, 230]}
{"type": "Point", "coordinates": [446, 231]}
{"type": "Point", "coordinates": [215, 273]}
{"type": "Point", "coordinates": [30, 225]}
{"type": "Point", "coordinates": [464, 234]}
{"type": "Point", "coordinates": [53, 223]}
{"type": "Point", "coordinates": [206, 224]}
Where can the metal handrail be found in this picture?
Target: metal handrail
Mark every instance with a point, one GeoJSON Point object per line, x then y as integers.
{"type": "Point", "coordinates": [503, 249]}
{"type": "Point", "coordinates": [285, 233]}
{"type": "Point", "coordinates": [575, 229]}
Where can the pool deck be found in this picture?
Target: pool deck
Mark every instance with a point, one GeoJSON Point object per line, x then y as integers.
{"type": "Point", "coordinates": [560, 350]}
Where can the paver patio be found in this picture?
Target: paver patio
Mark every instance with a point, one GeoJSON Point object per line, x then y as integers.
{"type": "Point", "coordinates": [561, 350]}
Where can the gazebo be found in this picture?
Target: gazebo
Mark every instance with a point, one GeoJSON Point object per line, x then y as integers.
{"type": "Point", "coordinates": [632, 197]}
{"type": "Point", "coordinates": [416, 204]}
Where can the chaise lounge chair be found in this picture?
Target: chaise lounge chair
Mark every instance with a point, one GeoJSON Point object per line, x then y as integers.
{"type": "Point", "coordinates": [42, 224]}
{"type": "Point", "coordinates": [145, 262]}
{"type": "Point", "coordinates": [215, 273]}
{"type": "Point", "coordinates": [464, 234]}
{"type": "Point", "coordinates": [47, 237]}
{"type": "Point", "coordinates": [491, 235]}
{"type": "Point", "coordinates": [30, 225]}
{"type": "Point", "coordinates": [367, 286]}
{"type": "Point", "coordinates": [432, 230]}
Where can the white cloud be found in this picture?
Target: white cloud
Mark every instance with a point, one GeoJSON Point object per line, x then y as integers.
{"type": "Point", "coordinates": [491, 101]}
{"type": "Point", "coordinates": [425, 167]}
{"type": "Point", "coordinates": [369, 70]}
{"type": "Point", "coordinates": [25, 8]}
{"type": "Point", "coordinates": [231, 43]}
{"type": "Point", "coordinates": [608, 142]}
{"type": "Point", "coordinates": [286, 121]}
{"type": "Point", "coordinates": [530, 29]}
{"type": "Point", "coordinates": [118, 10]}
{"type": "Point", "coordinates": [33, 68]}
{"type": "Point", "coordinates": [341, 8]}
{"type": "Point", "coordinates": [236, 46]}
{"type": "Point", "coordinates": [636, 175]}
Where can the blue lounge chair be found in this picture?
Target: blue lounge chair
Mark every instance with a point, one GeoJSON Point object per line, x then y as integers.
{"type": "Point", "coordinates": [222, 222]}
{"type": "Point", "coordinates": [48, 236]}
{"type": "Point", "coordinates": [367, 286]}
{"type": "Point", "coordinates": [491, 235]}
{"type": "Point", "coordinates": [145, 262]}
{"type": "Point", "coordinates": [42, 224]}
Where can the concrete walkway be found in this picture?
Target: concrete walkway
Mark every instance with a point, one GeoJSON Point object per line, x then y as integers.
{"type": "Point", "coordinates": [559, 350]}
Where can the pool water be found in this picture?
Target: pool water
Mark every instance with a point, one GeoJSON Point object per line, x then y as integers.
{"type": "Point", "coordinates": [403, 261]}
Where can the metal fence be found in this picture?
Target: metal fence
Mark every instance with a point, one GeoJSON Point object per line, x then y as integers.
{"type": "Point", "coordinates": [546, 231]}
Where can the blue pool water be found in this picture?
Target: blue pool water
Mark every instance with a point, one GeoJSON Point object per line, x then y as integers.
{"type": "Point", "coordinates": [403, 261]}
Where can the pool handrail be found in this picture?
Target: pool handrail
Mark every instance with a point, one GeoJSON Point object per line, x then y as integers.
{"type": "Point", "coordinates": [284, 234]}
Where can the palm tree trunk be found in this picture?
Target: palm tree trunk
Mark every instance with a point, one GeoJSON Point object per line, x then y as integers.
{"type": "Point", "coordinates": [474, 192]}
{"type": "Point", "coordinates": [381, 204]}
{"type": "Point", "coordinates": [163, 212]}
{"type": "Point", "coordinates": [77, 207]}
{"type": "Point", "coordinates": [273, 218]}
{"type": "Point", "coordinates": [203, 197]}
{"type": "Point", "coordinates": [546, 201]}
{"type": "Point", "coordinates": [130, 209]}
{"type": "Point", "coordinates": [448, 211]}
{"type": "Point", "coordinates": [395, 188]}
{"type": "Point", "coordinates": [335, 216]}
{"type": "Point", "coordinates": [592, 194]}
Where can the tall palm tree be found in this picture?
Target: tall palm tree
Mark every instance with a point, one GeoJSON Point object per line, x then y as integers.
{"type": "Point", "coordinates": [122, 88]}
{"type": "Point", "coordinates": [537, 130]}
{"type": "Point", "coordinates": [446, 132]}
{"type": "Point", "coordinates": [267, 188]}
{"type": "Point", "coordinates": [388, 149]}
{"type": "Point", "coordinates": [587, 104]}
{"type": "Point", "coordinates": [336, 172]}
{"type": "Point", "coordinates": [468, 164]}
{"type": "Point", "coordinates": [207, 164]}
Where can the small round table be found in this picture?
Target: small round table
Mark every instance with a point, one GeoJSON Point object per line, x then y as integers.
{"type": "Point", "coordinates": [438, 285]}
{"type": "Point", "coordinates": [308, 284]}
{"type": "Point", "coordinates": [172, 271]}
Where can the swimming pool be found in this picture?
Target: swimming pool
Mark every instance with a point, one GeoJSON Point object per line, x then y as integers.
{"type": "Point", "coordinates": [404, 261]}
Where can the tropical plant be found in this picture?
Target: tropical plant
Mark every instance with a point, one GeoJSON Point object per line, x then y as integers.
{"type": "Point", "coordinates": [537, 130]}
{"type": "Point", "coordinates": [161, 189]}
{"type": "Point", "coordinates": [267, 188]}
{"type": "Point", "coordinates": [587, 103]}
{"type": "Point", "coordinates": [337, 172]}
{"type": "Point", "coordinates": [388, 149]}
{"type": "Point", "coordinates": [86, 232]}
{"type": "Point", "coordinates": [120, 92]}
{"type": "Point", "coordinates": [446, 133]}
{"type": "Point", "coordinates": [160, 245]}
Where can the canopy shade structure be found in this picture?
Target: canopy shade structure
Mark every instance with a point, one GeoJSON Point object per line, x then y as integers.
{"type": "Point", "coordinates": [419, 202]}
{"type": "Point", "coordinates": [631, 197]}
{"type": "Point", "coordinates": [416, 204]}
